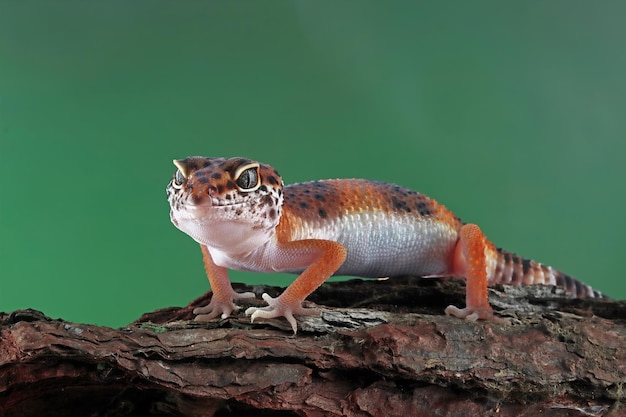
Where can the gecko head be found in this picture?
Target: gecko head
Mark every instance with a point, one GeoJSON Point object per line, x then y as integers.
{"type": "Point", "coordinates": [215, 200]}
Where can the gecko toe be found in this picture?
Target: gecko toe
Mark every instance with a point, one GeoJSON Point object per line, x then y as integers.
{"type": "Point", "coordinates": [221, 305]}
{"type": "Point", "coordinates": [205, 317]}
{"type": "Point", "coordinates": [244, 295]}
{"type": "Point", "coordinates": [214, 309]}
{"type": "Point", "coordinates": [474, 314]}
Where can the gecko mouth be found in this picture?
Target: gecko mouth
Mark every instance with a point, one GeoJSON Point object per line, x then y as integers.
{"type": "Point", "coordinates": [215, 203]}
{"type": "Point", "coordinates": [229, 204]}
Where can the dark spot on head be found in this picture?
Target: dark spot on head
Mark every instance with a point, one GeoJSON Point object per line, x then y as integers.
{"type": "Point", "coordinates": [272, 180]}
{"type": "Point", "coordinates": [238, 212]}
{"type": "Point", "coordinates": [216, 175]}
{"type": "Point", "coordinates": [303, 204]}
{"type": "Point", "coordinates": [280, 192]}
{"type": "Point", "coordinates": [229, 185]}
{"type": "Point", "coordinates": [220, 189]}
{"type": "Point", "coordinates": [263, 188]}
{"type": "Point", "coordinates": [319, 197]}
{"type": "Point", "coordinates": [322, 213]}
{"type": "Point", "coordinates": [268, 200]}
{"type": "Point", "coordinates": [203, 180]}
{"type": "Point", "coordinates": [272, 213]}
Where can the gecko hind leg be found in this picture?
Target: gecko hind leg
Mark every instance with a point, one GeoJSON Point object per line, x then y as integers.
{"type": "Point", "coordinates": [470, 261]}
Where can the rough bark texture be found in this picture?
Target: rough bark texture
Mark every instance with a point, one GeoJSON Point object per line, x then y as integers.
{"type": "Point", "coordinates": [380, 348]}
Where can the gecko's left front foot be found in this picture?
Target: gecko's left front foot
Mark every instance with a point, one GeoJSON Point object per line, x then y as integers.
{"type": "Point", "coordinates": [473, 314]}
{"type": "Point", "coordinates": [277, 307]}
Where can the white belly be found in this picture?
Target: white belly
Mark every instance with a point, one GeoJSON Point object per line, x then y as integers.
{"type": "Point", "coordinates": [383, 244]}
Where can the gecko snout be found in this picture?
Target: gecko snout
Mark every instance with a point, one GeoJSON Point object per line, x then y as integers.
{"type": "Point", "coordinates": [211, 191]}
{"type": "Point", "coordinates": [199, 194]}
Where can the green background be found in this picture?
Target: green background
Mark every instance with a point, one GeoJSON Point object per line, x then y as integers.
{"type": "Point", "coordinates": [511, 114]}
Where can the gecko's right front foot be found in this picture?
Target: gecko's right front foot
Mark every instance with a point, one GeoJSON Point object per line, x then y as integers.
{"type": "Point", "coordinates": [221, 304]}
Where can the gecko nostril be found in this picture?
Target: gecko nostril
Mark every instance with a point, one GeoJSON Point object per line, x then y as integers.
{"type": "Point", "coordinates": [211, 191]}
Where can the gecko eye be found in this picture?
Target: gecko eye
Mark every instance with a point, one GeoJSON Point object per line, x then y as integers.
{"type": "Point", "coordinates": [247, 177]}
{"type": "Point", "coordinates": [178, 180]}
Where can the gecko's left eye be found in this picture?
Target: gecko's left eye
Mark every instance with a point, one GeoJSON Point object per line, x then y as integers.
{"type": "Point", "coordinates": [247, 177]}
{"type": "Point", "coordinates": [178, 180]}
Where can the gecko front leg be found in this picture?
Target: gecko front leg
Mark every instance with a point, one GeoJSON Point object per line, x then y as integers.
{"type": "Point", "coordinates": [321, 259]}
{"type": "Point", "coordinates": [222, 303]}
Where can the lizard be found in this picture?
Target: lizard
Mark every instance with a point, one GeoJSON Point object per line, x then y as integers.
{"type": "Point", "coordinates": [245, 218]}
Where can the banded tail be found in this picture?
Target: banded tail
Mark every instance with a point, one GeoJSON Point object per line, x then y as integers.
{"type": "Point", "coordinates": [514, 270]}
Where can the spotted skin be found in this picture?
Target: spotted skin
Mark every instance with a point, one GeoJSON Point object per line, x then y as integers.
{"type": "Point", "coordinates": [244, 218]}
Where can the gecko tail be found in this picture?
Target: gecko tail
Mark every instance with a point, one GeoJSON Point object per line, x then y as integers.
{"type": "Point", "coordinates": [511, 269]}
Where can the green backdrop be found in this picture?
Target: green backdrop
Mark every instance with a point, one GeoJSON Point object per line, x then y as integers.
{"type": "Point", "coordinates": [511, 114]}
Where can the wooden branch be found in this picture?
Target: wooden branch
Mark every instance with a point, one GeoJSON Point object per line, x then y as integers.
{"type": "Point", "coordinates": [380, 348]}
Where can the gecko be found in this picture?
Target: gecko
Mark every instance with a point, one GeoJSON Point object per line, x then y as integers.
{"type": "Point", "coordinates": [245, 218]}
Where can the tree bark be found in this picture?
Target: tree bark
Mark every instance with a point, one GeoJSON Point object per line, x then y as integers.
{"type": "Point", "coordinates": [379, 348]}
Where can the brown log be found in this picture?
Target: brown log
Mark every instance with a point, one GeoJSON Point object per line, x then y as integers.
{"type": "Point", "coordinates": [379, 348]}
